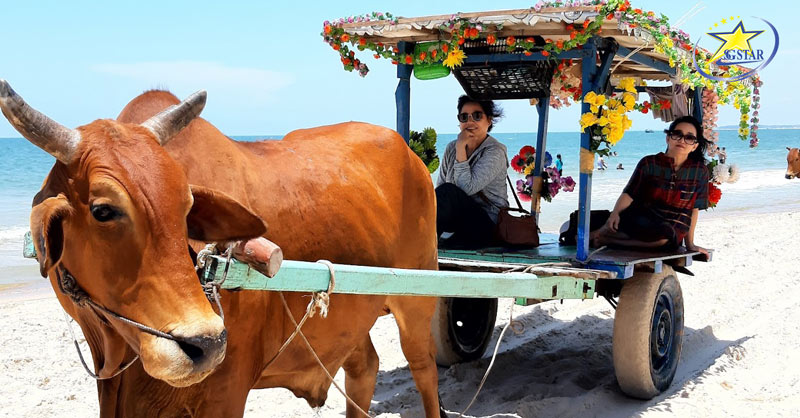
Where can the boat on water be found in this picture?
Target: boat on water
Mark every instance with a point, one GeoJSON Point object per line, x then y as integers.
{"type": "Point", "coordinates": [649, 131]}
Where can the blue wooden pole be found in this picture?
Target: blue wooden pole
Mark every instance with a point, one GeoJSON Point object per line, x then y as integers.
{"type": "Point", "coordinates": [543, 109]}
{"type": "Point", "coordinates": [402, 95]}
{"type": "Point", "coordinates": [586, 155]}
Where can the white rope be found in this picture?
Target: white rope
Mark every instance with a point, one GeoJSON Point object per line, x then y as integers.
{"type": "Point", "coordinates": [511, 323]}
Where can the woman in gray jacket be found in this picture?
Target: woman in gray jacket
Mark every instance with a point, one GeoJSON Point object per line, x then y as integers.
{"type": "Point", "coordinates": [471, 187]}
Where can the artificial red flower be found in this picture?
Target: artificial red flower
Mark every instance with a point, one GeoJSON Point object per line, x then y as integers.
{"type": "Point", "coordinates": [362, 41]}
{"type": "Point", "coordinates": [714, 194]}
{"type": "Point", "coordinates": [422, 55]}
{"type": "Point", "coordinates": [434, 53]}
{"type": "Point", "coordinates": [491, 39]}
{"type": "Point", "coordinates": [545, 53]}
{"type": "Point", "coordinates": [335, 47]}
{"type": "Point", "coordinates": [527, 151]}
{"type": "Point", "coordinates": [518, 164]}
{"type": "Point", "coordinates": [570, 27]}
{"type": "Point", "coordinates": [327, 29]}
{"type": "Point", "coordinates": [610, 16]}
{"type": "Point", "coordinates": [461, 41]}
{"type": "Point", "coordinates": [524, 197]}
{"type": "Point", "coordinates": [445, 47]}
{"type": "Point", "coordinates": [409, 59]}
{"type": "Point", "coordinates": [560, 44]}
{"type": "Point", "coordinates": [510, 41]}
{"type": "Point", "coordinates": [345, 37]}
{"type": "Point", "coordinates": [376, 56]}
{"type": "Point", "coordinates": [528, 53]}
{"type": "Point", "coordinates": [586, 23]}
{"type": "Point", "coordinates": [573, 34]}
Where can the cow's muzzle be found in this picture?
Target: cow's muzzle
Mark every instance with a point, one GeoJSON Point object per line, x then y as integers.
{"type": "Point", "coordinates": [205, 352]}
{"type": "Point", "coordinates": [789, 176]}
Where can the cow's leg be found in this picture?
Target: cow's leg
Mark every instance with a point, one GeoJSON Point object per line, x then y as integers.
{"type": "Point", "coordinates": [413, 316]}
{"type": "Point", "coordinates": [361, 371]}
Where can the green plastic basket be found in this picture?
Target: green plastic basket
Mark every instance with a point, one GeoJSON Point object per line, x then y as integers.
{"type": "Point", "coordinates": [429, 71]}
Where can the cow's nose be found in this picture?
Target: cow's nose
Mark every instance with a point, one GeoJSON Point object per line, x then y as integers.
{"type": "Point", "coordinates": [204, 351]}
{"type": "Point", "coordinates": [789, 176]}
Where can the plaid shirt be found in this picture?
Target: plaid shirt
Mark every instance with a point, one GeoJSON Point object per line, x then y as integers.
{"type": "Point", "coordinates": [672, 194]}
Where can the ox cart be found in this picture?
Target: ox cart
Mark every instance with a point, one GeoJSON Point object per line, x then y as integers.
{"type": "Point", "coordinates": [642, 286]}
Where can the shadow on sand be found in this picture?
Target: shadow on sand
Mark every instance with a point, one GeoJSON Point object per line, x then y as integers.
{"type": "Point", "coordinates": [553, 368]}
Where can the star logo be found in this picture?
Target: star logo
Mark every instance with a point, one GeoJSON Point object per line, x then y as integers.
{"type": "Point", "coordinates": [739, 38]}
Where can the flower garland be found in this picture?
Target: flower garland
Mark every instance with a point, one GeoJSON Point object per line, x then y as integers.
{"type": "Point", "coordinates": [552, 181]}
{"type": "Point", "coordinates": [566, 84]}
{"type": "Point", "coordinates": [710, 111]}
{"type": "Point", "coordinates": [675, 44]}
{"type": "Point", "coordinates": [756, 105]}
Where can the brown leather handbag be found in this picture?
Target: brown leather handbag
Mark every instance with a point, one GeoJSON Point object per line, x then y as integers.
{"type": "Point", "coordinates": [515, 230]}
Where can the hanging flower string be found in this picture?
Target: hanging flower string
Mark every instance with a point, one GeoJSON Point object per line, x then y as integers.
{"type": "Point", "coordinates": [454, 33]}
{"type": "Point", "coordinates": [552, 181]}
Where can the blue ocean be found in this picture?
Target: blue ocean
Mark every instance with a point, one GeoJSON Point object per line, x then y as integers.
{"type": "Point", "coordinates": [761, 187]}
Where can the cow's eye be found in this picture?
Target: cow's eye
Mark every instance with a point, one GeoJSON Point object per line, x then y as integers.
{"type": "Point", "coordinates": [105, 213]}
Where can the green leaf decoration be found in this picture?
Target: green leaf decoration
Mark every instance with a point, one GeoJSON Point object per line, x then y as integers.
{"type": "Point", "coordinates": [424, 145]}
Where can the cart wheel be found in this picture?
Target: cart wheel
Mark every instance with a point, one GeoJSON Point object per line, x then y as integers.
{"type": "Point", "coordinates": [462, 328]}
{"type": "Point", "coordinates": [648, 333]}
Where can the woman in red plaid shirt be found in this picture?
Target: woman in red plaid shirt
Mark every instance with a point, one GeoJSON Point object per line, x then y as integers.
{"type": "Point", "coordinates": [660, 205]}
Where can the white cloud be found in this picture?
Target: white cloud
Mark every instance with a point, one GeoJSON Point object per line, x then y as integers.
{"type": "Point", "coordinates": [257, 84]}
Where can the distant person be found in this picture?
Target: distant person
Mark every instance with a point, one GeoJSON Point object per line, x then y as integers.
{"type": "Point", "coordinates": [723, 156]}
{"type": "Point", "coordinates": [559, 164]}
{"type": "Point", "coordinates": [471, 187]}
{"type": "Point", "coordinates": [601, 163]}
{"type": "Point", "coordinates": [660, 205]}
{"type": "Point", "coordinates": [619, 166]}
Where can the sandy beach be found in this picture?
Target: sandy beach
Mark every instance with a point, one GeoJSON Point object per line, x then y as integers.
{"type": "Point", "coordinates": [738, 359]}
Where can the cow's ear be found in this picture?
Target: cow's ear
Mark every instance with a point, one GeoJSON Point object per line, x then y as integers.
{"type": "Point", "coordinates": [47, 231]}
{"type": "Point", "coordinates": [217, 217]}
{"type": "Point", "coordinates": [788, 148]}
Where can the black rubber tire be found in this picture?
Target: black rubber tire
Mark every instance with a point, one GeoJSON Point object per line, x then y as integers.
{"type": "Point", "coordinates": [462, 328]}
{"type": "Point", "coordinates": [648, 333]}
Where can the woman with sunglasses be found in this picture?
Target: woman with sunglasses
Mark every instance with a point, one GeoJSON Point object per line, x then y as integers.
{"type": "Point", "coordinates": [471, 187]}
{"type": "Point", "coordinates": [660, 205]}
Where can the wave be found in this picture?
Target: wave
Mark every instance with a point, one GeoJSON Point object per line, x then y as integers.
{"type": "Point", "coordinates": [12, 234]}
{"type": "Point", "coordinates": [760, 179]}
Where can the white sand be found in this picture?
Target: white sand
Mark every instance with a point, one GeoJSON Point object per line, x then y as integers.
{"type": "Point", "coordinates": [739, 351]}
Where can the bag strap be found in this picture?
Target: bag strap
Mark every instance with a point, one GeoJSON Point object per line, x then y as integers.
{"type": "Point", "coordinates": [519, 204]}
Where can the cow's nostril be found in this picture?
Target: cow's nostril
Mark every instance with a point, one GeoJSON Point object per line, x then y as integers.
{"type": "Point", "coordinates": [201, 349]}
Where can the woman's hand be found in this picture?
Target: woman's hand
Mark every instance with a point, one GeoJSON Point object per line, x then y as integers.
{"type": "Point", "coordinates": [465, 143]}
{"type": "Point", "coordinates": [613, 222]}
{"type": "Point", "coordinates": [691, 247]}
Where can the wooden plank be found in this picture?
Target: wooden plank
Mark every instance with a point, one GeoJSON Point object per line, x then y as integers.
{"type": "Point", "coordinates": [547, 269]}
{"type": "Point", "coordinates": [302, 276]}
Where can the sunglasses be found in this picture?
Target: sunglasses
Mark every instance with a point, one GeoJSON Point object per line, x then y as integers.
{"type": "Point", "coordinates": [464, 117]}
{"type": "Point", "coordinates": [680, 136]}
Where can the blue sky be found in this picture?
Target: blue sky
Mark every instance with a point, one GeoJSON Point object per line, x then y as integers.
{"type": "Point", "coordinates": [267, 71]}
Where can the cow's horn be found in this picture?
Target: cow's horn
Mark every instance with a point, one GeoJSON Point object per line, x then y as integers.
{"type": "Point", "coordinates": [171, 120]}
{"type": "Point", "coordinates": [45, 133]}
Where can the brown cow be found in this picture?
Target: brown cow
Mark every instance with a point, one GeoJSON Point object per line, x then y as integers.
{"type": "Point", "coordinates": [115, 213]}
{"type": "Point", "coordinates": [793, 163]}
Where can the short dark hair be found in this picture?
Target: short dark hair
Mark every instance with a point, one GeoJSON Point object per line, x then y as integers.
{"type": "Point", "coordinates": [492, 110]}
{"type": "Point", "coordinates": [558, 155]}
{"type": "Point", "coordinates": [702, 143]}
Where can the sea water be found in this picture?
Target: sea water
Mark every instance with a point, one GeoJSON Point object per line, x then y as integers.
{"type": "Point", "coordinates": [761, 187]}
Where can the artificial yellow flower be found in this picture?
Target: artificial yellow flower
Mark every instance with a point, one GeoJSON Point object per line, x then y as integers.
{"type": "Point", "coordinates": [613, 103]}
{"type": "Point", "coordinates": [602, 121]}
{"type": "Point", "coordinates": [528, 170]}
{"type": "Point", "coordinates": [615, 119]}
{"type": "Point", "coordinates": [626, 123]}
{"type": "Point", "coordinates": [587, 120]}
{"type": "Point", "coordinates": [455, 58]}
{"type": "Point", "coordinates": [627, 84]}
{"type": "Point", "coordinates": [629, 101]}
{"type": "Point", "coordinates": [615, 135]}
{"type": "Point", "coordinates": [594, 100]}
